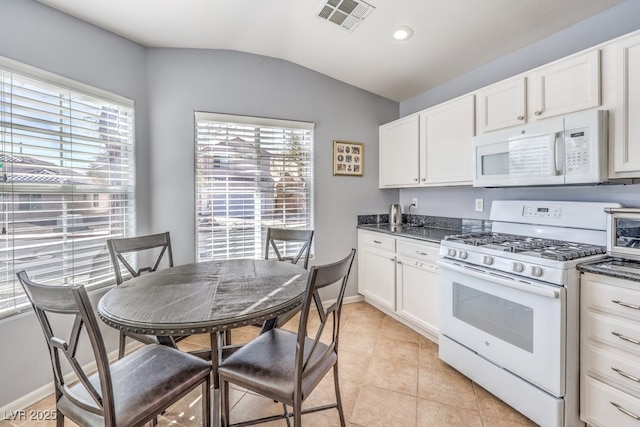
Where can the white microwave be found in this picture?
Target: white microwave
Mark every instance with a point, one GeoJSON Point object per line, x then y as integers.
{"type": "Point", "coordinates": [623, 233]}
{"type": "Point", "coordinates": [571, 149]}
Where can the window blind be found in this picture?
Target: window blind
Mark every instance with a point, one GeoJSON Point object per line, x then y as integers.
{"type": "Point", "coordinates": [250, 174]}
{"type": "Point", "coordinates": [67, 183]}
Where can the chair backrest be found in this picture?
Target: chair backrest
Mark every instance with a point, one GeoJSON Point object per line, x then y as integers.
{"type": "Point", "coordinates": [320, 277]}
{"type": "Point", "coordinates": [302, 237]}
{"type": "Point", "coordinates": [119, 248]}
{"type": "Point", "coordinates": [73, 301]}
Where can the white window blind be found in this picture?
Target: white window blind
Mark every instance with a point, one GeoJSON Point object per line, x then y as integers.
{"type": "Point", "coordinates": [67, 182]}
{"type": "Point", "coordinates": [251, 174]}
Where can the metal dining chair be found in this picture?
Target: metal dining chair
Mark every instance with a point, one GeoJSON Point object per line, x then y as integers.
{"type": "Point", "coordinates": [277, 240]}
{"type": "Point", "coordinates": [155, 246]}
{"type": "Point", "coordinates": [134, 390]}
{"type": "Point", "coordinates": [283, 237]}
{"type": "Point", "coordinates": [286, 366]}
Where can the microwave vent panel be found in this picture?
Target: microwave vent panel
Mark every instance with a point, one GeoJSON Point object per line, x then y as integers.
{"type": "Point", "coordinates": [347, 14]}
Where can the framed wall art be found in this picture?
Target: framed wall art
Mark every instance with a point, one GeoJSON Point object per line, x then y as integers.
{"type": "Point", "coordinates": [348, 158]}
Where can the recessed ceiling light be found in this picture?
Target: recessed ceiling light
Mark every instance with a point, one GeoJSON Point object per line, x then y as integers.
{"type": "Point", "coordinates": [402, 33]}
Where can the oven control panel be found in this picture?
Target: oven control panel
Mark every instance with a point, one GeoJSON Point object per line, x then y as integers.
{"type": "Point", "coordinates": [542, 212]}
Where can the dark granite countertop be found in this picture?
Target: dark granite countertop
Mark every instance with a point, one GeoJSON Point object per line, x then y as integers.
{"type": "Point", "coordinates": [423, 227]}
{"type": "Point", "coordinates": [414, 232]}
{"type": "Point", "coordinates": [613, 267]}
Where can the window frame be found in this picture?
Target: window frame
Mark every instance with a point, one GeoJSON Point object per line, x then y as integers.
{"type": "Point", "coordinates": [62, 190]}
{"type": "Point", "coordinates": [201, 116]}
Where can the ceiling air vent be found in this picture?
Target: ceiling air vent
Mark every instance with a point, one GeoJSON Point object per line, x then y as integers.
{"type": "Point", "coordinates": [345, 13]}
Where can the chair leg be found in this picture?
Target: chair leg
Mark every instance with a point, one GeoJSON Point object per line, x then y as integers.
{"type": "Point", "coordinates": [338, 398]}
{"type": "Point", "coordinates": [224, 402]}
{"type": "Point", "coordinates": [121, 345]}
{"type": "Point", "coordinates": [59, 419]}
{"type": "Point", "coordinates": [206, 402]}
{"type": "Point", "coordinates": [297, 411]}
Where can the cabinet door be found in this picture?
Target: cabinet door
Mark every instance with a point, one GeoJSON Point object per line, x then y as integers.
{"type": "Point", "coordinates": [501, 105]}
{"type": "Point", "coordinates": [446, 134]}
{"type": "Point", "coordinates": [376, 276]}
{"type": "Point", "coordinates": [566, 86]}
{"type": "Point", "coordinates": [626, 144]}
{"type": "Point", "coordinates": [418, 293]}
{"type": "Point", "coordinates": [399, 152]}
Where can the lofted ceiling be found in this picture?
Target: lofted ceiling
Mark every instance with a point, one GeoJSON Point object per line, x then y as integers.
{"type": "Point", "coordinates": [451, 37]}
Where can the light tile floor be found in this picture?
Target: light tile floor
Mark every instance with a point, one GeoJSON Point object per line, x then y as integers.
{"type": "Point", "coordinates": [389, 376]}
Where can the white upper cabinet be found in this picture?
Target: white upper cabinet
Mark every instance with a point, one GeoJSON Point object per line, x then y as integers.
{"type": "Point", "coordinates": [399, 163]}
{"type": "Point", "coordinates": [446, 134]}
{"type": "Point", "coordinates": [502, 105]}
{"type": "Point", "coordinates": [434, 147]}
{"type": "Point", "coordinates": [625, 144]}
{"type": "Point", "coordinates": [565, 86]}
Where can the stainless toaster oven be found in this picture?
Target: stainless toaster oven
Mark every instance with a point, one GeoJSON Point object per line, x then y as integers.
{"type": "Point", "coordinates": [623, 233]}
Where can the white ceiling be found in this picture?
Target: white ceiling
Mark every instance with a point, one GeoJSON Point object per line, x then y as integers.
{"type": "Point", "coordinates": [451, 37]}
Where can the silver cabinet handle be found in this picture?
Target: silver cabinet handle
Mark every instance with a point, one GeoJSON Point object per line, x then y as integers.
{"type": "Point", "coordinates": [422, 253]}
{"type": "Point", "coordinates": [399, 262]}
{"type": "Point", "coordinates": [625, 411]}
{"type": "Point", "coordinates": [424, 179]}
{"type": "Point", "coordinates": [626, 304]}
{"type": "Point", "coordinates": [377, 241]}
{"type": "Point", "coordinates": [537, 113]}
{"type": "Point", "coordinates": [415, 179]}
{"type": "Point", "coordinates": [624, 374]}
{"type": "Point", "coordinates": [393, 259]}
{"type": "Point", "coordinates": [622, 337]}
{"type": "Point", "coordinates": [520, 117]}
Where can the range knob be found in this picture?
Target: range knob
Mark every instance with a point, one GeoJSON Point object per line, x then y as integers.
{"type": "Point", "coordinates": [518, 267]}
{"type": "Point", "coordinates": [536, 271]}
{"type": "Point", "coordinates": [487, 259]}
{"type": "Point", "coordinates": [462, 254]}
{"type": "Point", "coordinates": [451, 252]}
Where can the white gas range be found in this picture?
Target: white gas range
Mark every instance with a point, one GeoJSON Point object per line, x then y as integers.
{"type": "Point", "coordinates": [509, 303]}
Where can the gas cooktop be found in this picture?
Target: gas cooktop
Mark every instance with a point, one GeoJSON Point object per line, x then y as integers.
{"type": "Point", "coordinates": [538, 247]}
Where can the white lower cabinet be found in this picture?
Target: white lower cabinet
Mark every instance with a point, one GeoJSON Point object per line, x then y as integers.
{"type": "Point", "coordinates": [400, 276]}
{"type": "Point", "coordinates": [610, 351]}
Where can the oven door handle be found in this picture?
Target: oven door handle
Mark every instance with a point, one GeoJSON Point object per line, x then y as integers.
{"type": "Point", "coordinates": [542, 290]}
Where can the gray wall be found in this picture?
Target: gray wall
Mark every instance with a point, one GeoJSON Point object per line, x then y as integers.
{"type": "Point", "coordinates": [167, 86]}
{"type": "Point", "coordinates": [182, 81]}
{"type": "Point", "coordinates": [459, 201]}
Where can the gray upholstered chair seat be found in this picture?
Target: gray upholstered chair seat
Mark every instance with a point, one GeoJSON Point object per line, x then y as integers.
{"type": "Point", "coordinates": [162, 373]}
{"type": "Point", "coordinates": [267, 366]}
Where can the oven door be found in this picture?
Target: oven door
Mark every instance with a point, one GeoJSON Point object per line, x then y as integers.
{"type": "Point", "coordinates": [516, 325]}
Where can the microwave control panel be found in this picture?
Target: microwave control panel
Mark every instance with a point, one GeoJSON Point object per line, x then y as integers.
{"type": "Point", "coordinates": [576, 149]}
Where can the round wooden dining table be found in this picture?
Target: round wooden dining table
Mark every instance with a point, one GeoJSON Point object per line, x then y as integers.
{"type": "Point", "coordinates": [207, 297]}
{"type": "Point", "coordinates": [204, 297]}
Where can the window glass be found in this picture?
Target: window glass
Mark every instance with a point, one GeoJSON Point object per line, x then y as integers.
{"type": "Point", "coordinates": [251, 174]}
{"type": "Point", "coordinates": [67, 181]}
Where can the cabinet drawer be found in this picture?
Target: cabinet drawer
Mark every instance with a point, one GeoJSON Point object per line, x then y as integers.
{"type": "Point", "coordinates": [378, 240]}
{"type": "Point", "coordinates": [613, 366]}
{"type": "Point", "coordinates": [605, 406]}
{"type": "Point", "coordinates": [612, 299]}
{"type": "Point", "coordinates": [619, 333]}
{"type": "Point", "coordinates": [420, 251]}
